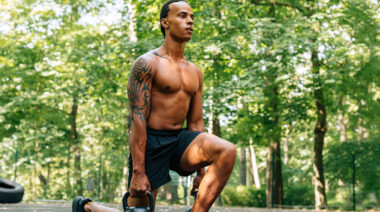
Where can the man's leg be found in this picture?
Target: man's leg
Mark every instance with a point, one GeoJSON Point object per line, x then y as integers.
{"type": "Point", "coordinates": [91, 207]}
{"type": "Point", "coordinates": [207, 149]}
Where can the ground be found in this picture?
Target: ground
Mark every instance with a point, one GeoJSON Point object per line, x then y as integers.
{"type": "Point", "coordinates": [65, 206]}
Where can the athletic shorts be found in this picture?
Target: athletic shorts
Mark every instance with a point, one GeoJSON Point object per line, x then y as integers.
{"type": "Point", "coordinates": [164, 150]}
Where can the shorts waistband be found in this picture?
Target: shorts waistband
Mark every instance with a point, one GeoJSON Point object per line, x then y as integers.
{"type": "Point", "coordinates": [163, 132]}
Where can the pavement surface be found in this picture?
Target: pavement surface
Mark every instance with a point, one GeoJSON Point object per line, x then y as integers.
{"type": "Point", "coordinates": [66, 207]}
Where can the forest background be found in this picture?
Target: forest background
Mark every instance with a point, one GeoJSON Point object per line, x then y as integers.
{"type": "Point", "coordinates": [294, 84]}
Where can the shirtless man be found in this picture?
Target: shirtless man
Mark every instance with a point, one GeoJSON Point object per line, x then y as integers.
{"type": "Point", "coordinates": [164, 91]}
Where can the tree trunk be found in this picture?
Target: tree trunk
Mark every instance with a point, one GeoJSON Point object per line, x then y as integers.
{"type": "Point", "coordinates": [132, 21]}
{"type": "Point", "coordinates": [274, 188]}
{"type": "Point", "coordinates": [47, 180]}
{"type": "Point", "coordinates": [254, 166]}
{"type": "Point", "coordinates": [68, 167]}
{"type": "Point", "coordinates": [76, 148]}
{"type": "Point", "coordinates": [250, 177]}
{"type": "Point", "coordinates": [162, 193]}
{"type": "Point", "coordinates": [342, 123]}
{"type": "Point", "coordinates": [243, 167]}
{"type": "Point", "coordinates": [36, 149]}
{"type": "Point", "coordinates": [274, 172]}
{"type": "Point", "coordinates": [362, 104]}
{"type": "Point", "coordinates": [342, 127]}
{"type": "Point", "coordinates": [286, 145]}
{"type": "Point", "coordinates": [277, 183]}
{"type": "Point", "coordinates": [319, 133]}
{"type": "Point", "coordinates": [173, 190]}
{"type": "Point", "coordinates": [361, 130]}
{"type": "Point", "coordinates": [215, 125]}
{"type": "Point", "coordinates": [35, 159]}
{"type": "Point", "coordinates": [275, 136]}
{"type": "Point", "coordinates": [276, 143]}
{"type": "Point", "coordinates": [169, 192]}
{"type": "Point", "coordinates": [269, 178]}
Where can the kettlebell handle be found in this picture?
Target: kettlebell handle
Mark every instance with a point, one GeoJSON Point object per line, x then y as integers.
{"type": "Point", "coordinates": [125, 200]}
{"type": "Point", "coordinates": [195, 194]}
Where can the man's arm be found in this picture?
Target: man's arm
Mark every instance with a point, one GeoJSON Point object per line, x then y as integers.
{"type": "Point", "coordinates": [195, 115]}
{"type": "Point", "coordinates": [139, 95]}
{"type": "Point", "coordinates": [195, 123]}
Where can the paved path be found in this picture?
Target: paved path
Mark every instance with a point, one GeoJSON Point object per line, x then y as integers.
{"type": "Point", "coordinates": [65, 206]}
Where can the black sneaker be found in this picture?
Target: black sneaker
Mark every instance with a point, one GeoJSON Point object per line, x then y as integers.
{"type": "Point", "coordinates": [79, 202]}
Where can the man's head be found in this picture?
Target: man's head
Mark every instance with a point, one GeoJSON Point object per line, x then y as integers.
{"type": "Point", "coordinates": [176, 11]}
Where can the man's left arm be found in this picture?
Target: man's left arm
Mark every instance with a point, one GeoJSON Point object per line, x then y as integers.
{"type": "Point", "coordinates": [195, 122]}
{"type": "Point", "coordinates": [194, 117]}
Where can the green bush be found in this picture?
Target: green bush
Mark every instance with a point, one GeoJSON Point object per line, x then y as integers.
{"type": "Point", "coordinates": [243, 196]}
{"type": "Point", "coordinates": [299, 194]}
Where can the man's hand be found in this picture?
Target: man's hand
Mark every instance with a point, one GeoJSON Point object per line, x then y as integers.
{"type": "Point", "coordinates": [139, 185]}
{"type": "Point", "coordinates": [197, 181]}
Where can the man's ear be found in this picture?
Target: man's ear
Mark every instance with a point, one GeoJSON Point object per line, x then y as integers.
{"type": "Point", "coordinates": [164, 23]}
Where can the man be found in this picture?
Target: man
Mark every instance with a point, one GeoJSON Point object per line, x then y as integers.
{"type": "Point", "coordinates": [164, 91]}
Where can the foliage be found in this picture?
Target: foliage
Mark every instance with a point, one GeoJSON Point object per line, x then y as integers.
{"type": "Point", "coordinates": [343, 158]}
{"type": "Point", "coordinates": [246, 196]}
{"type": "Point", "coordinates": [299, 194]}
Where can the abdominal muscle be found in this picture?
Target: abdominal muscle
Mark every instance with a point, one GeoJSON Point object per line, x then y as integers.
{"type": "Point", "coordinates": [168, 111]}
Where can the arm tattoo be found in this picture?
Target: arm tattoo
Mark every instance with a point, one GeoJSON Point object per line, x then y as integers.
{"type": "Point", "coordinates": [140, 90]}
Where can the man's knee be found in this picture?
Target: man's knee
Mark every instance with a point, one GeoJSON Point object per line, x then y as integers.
{"type": "Point", "coordinates": [229, 152]}
{"type": "Point", "coordinates": [222, 148]}
{"type": "Point", "coordinates": [208, 149]}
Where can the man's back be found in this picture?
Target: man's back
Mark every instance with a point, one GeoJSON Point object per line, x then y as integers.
{"type": "Point", "coordinates": [174, 84]}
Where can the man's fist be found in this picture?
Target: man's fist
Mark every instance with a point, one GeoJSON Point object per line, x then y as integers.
{"type": "Point", "coordinates": [196, 183]}
{"type": "Point", "coordinates": [139, 185]}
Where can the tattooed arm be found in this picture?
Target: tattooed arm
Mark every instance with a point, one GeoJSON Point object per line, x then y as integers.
{"type": "Point", "coordinates": [139, 95]}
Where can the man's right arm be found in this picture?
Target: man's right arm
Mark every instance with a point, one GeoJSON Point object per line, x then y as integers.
{"type": "Point", "coordinates": [139, 95]}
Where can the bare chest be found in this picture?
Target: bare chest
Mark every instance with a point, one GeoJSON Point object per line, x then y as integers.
{"type": "Point", "coordinates": [172, 78]}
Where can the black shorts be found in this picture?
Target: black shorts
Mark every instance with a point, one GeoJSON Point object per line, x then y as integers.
{"type": "Point", "coordinates": [164, 151]}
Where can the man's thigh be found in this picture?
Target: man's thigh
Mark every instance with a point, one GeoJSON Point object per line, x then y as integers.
{"type": "Point", "coordinates": [203, 151]}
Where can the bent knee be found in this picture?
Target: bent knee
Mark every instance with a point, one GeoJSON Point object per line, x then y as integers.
{"type": "Point", "coordinates": [213, 148]}
{"type": "Point", "coordinates": [227, 157]}
{"type": "Point", "coordinates": [230, 150]}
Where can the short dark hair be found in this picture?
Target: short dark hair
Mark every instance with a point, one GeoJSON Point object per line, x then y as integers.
{"type": "Point", "coordinates": [164, 12]}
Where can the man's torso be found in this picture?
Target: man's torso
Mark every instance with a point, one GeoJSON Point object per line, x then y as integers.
{"type": "Point", "coordinates": [174, 85]}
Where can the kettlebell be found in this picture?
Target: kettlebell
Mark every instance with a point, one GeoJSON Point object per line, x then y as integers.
{"type": "Point", "coordinates": [126, 208]}
{"type": "Point", "coordinates": [195, 194]}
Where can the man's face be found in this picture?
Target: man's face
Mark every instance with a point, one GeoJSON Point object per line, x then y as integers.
{"type": "Point", "coordinates": [180, 21]}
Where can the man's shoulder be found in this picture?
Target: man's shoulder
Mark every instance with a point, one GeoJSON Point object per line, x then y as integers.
{"type": "Point", "coordinates": [194, 67]}
{"type": "Point", "coordinates": [148, 57]}
{"type": "Point", "coordinates": [145, 61]}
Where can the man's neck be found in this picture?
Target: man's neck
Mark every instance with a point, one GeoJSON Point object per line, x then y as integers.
{"type": "Point", "coordinates": [173, 49]}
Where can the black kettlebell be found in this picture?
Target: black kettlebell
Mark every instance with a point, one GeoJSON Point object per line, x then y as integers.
{"type": "Point", "coordinates": [126, 208]}
{"type": "Point", "coordinates": [195, 194]}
